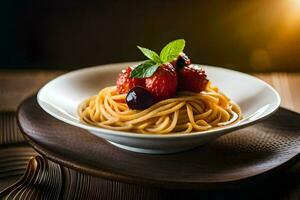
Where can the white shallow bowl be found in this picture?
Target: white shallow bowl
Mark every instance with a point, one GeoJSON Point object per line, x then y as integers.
{"type": "Point", "coordinates": [61, 97]}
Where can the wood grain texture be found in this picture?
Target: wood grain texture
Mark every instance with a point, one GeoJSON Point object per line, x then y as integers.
{"type": "Point", "coordinates": [76, 185]}
{"type": "Point", "coordinates": [231, 160]}
{"type": "Point", "coordinates": [42, 180]}
{"type": "Point", "coordinates": [13, 162]}
{"type": "Point", "coordinates": [45, 179]}
{"type": "Point", "coordinates": [17, 85]}
{"type": "Point", "coordinates": [14, 153]}
{"type": "Point", "coordinates": [287, 85]}
{"type": "Point", "coordinates": [9, 130]}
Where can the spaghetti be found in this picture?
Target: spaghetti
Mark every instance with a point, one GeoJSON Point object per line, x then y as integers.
{"type": "Point", "coordinates": [187, 112]}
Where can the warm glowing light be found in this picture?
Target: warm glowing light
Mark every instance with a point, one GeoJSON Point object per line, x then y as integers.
{"type": "Point", "coordinates": [293, 11]}
{"type": "Point", "coordinates": [296, 3]}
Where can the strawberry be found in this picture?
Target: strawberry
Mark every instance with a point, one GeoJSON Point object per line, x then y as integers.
{"type": "Point", "coordinates": [125, 83]}
{"type": "Point", "coordinates": [192, 78]}
{"type": "Point", "coordinates": [163, 83]}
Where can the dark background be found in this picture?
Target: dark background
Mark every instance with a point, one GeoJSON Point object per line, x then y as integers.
{"type": "Point", "coordinates": [252, 35]}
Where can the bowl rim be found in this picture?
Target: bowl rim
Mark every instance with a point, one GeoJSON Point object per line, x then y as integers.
{"type": "Point", "coordinates": [96, 130]}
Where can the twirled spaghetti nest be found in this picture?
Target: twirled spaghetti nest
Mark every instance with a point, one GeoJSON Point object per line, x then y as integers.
{"type": "Point", "coordinates": [187, 112]}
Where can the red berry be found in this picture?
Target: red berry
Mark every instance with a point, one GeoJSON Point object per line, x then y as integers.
{"type": "Point", "coordinates": [192, 78]}
{"type": "Point", "coordinates": [125, 83]}
{"type": "Point", "coordinates": [181, 61]}
{"type": "Point", "coordinates": [163, 83]}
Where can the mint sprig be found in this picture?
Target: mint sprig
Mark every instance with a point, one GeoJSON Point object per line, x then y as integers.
{"type": "Point", "coordinates": [172, 50]}
{"type": "Point", "coordinates": [146, 69]}
{"type": "Point", "coordinates": [167, 54]}
{"type": "Point", "coordinates": [152, 55]}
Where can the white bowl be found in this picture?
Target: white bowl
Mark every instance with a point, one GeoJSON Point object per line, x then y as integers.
{"type": "Point", "coordinates": [61, 97]}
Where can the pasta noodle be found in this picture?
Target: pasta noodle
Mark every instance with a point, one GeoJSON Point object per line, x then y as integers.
{"type": "Point", "coordinates": [187, 112]}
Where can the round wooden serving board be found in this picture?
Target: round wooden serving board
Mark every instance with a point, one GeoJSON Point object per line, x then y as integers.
{"type": "Point", "coordinates": [239, 157]}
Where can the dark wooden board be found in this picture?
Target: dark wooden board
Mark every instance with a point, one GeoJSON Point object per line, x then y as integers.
{"type": "Point", "coordinates": [239, 157]}
{"type": "Point", "coordinates": [45, 179]}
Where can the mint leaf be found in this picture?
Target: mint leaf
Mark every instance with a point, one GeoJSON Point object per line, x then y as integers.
{"type": "Point", "coordinates": [172, 50]}
{"type": "Point", "coordinates": [144, 70]}
{"type": "Point", "coordinates": [152, 55]}
{"type": "Point", "coordinates": [167, 54]}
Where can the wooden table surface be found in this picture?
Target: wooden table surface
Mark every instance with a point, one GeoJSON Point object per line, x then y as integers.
{"type": "Point", "coordinates": [15, 86]}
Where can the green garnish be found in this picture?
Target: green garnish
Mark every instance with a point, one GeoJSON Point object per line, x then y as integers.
{"type": "Point", "coordinates": [144, 70]}
{"type": "Point", "coordinates": [167, 54]}
{"type": "Point", "coordinates": [172, 50]}
{"type": "Point", "coordinates": [152, 55]}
